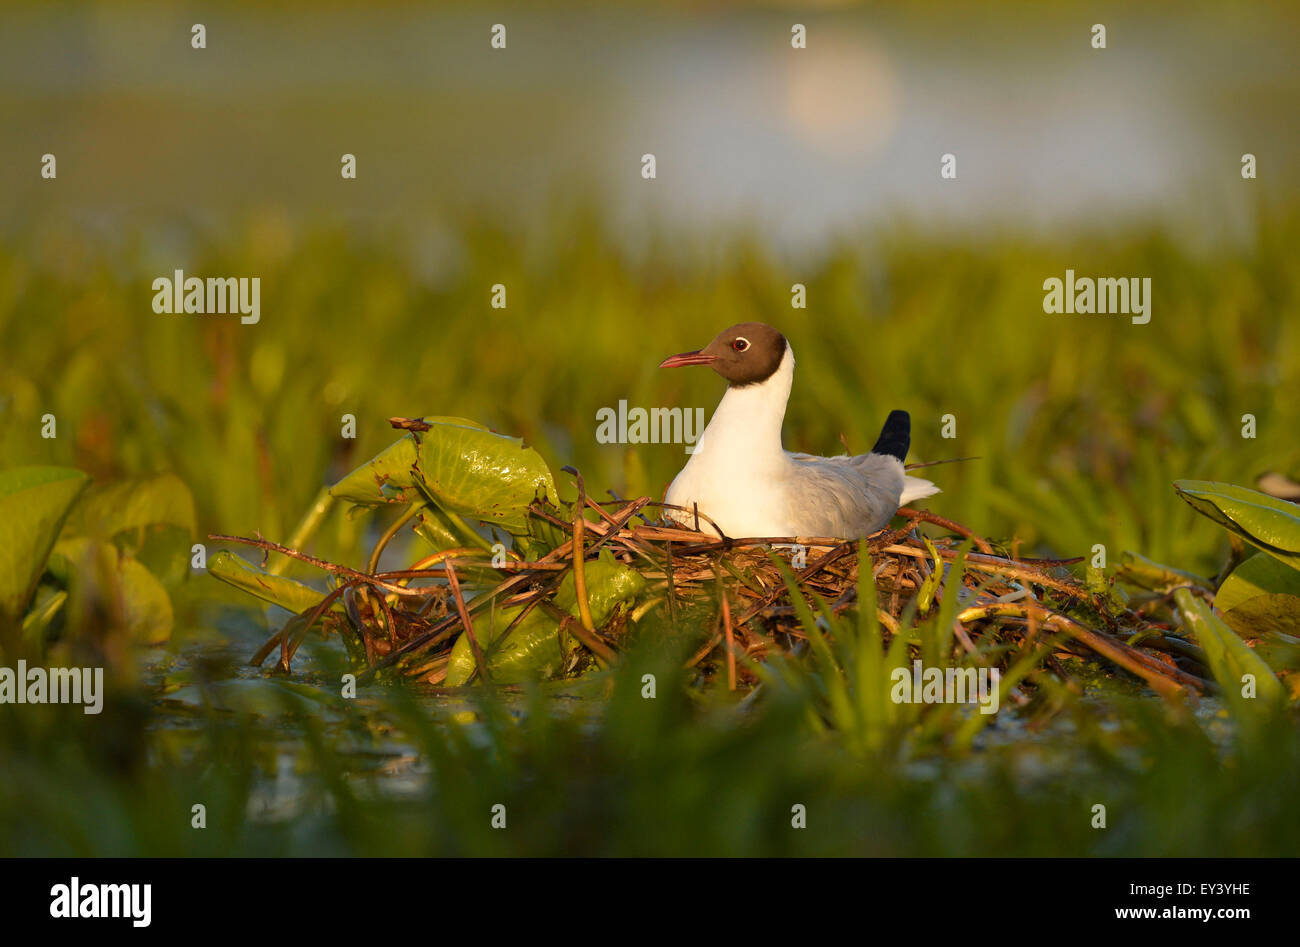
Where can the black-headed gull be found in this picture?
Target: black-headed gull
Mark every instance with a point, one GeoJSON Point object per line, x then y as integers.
{"type": "Point", "coordinates": [750, 486]}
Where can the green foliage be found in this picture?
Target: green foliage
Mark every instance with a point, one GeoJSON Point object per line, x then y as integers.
{"type": "Point", "coordinates": [34, 502]}
{"type": "Point", "coordinates": [1234, 664]}
{"type": "Point", "coordinates": [278, 590]}
{"type": "Point", "coordinates": [1271, 524]}
{"type": "Point", "coordinates": [448, 469]}
{"type": "Point", "coordinates": [535, 648]}
{"type": "Point", "coordinates": [295, 770]}
{"type": "Point", "coordinates": [1261, 595]}
{"type": "Point", "coordinates": [109, 510]}
{"type": "Point", "coordinates": [86, 553]}
{"type": "Point", "coordinates": [385, 478]}
{"type": "Point", "coordinates": [469, 471]}
{"type": "Point", "coordinates": [1080, 424]}
{"type": "Point", "coordinates": [1259, 599]}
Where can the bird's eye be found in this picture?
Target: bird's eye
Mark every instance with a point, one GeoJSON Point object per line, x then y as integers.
{"type": "Point", "coordinates": [740, 344]}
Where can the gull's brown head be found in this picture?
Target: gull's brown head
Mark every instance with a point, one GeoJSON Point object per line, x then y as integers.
{"type": "Point", "coordinates": [745, 354]}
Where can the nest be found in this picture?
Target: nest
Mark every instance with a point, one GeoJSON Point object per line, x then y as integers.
{"type": "Point", "coordinates": [405, 623]}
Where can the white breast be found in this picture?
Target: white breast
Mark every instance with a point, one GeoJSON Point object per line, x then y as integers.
{"type": "Point", "coordinates": [738, 471]}
{"type": "Point", "coordinates": [742, 478]}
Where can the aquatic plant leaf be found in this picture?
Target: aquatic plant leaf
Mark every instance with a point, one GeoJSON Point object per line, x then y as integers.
{"type": "Point", "coordinates": [1139, 571]}
{"type": "Point", "coordinates": [543, 535]}
{"type": "Point", "coordinates": [99, 575]}
{"type": "Point", "coordinates": [925, 596]}
{"type": "Point", "coordinates": [34, 503]}
{"type": "Point", "coordinates": [442, 531]}
{"type": "Point", "coordinates": [385, 477]}
{"type": "Point", "coordinates": [146, 605]}
{"type": "Point", "coordinates": [1262, 595]}
{"type": "Point", "coordinates": [531, 651]}
{"type": "Point", "coordinates": [473, 472]}
{"type": "Point", "coordinates": [435, 529]}
{"type": "Point", "coordinates": [1231, 659]}
{"type": "Point", "coordinates": [276, 589]}
{"type": "Point", "coordinates": [533, 647]}
{"type": "Point", "coordinates": [105, 511]}
{"type": "Point", "coordinates": [1264, 521]}
{"type": "Point", "coordinates": [609, 583]}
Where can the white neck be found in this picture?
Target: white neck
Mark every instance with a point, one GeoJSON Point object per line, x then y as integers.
{"type": "Point", "coordinates": [746, 428]}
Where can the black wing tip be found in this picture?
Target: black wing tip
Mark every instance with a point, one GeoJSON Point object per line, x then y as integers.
{"type": "Point", "coordinates": [896, 436]}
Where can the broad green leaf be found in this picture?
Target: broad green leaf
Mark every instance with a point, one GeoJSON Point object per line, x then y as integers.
{"type": "Point", "coordinates": [34, 503]}
{"type": "Point", "coordinates": [107, 510]}
{"type": "Point", "coordinates": [384, 478]}
{"type": "Point", "coordinates": [473, 472]}
{"type": "Point", "coordinates": [609, 583]}
{"type": "Point", "coordinates": [1143, 573]}
{"type": "Point", "coordinates": [1231, 659]}
{"type": "Point", "coordinates": [532, 649]}
{"type": "Point", "coordinates": [1264, 521]}
{"type": "Point", "coordinates": [276, 589]}
{"type": "Point", "coordinates": [98, 575]}
{"type": "Point", "coordinates": [1261, 595]}
{"type": "Point", "coordinates": [146, 605]}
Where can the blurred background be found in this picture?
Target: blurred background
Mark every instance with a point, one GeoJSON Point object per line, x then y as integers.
{"type": "Point", "coordinates": [802, 146]}
{"type": "Point", "coordinates": [522, 166]}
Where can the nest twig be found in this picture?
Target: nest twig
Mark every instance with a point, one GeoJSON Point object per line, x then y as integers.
{"type": "Point", "coordinates": [407, 621]}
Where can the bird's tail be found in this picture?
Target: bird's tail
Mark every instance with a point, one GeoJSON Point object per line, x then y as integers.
{"type": "Point", "coordinates": [895, 437]}
{"type": "Point", "coordinates": [914, 488]}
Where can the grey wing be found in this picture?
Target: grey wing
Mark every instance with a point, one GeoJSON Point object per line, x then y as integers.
{"type": "Point", "coordinates": [847, 496]}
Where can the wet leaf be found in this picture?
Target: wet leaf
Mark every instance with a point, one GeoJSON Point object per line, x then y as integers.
{"type": "Point", "coordinates": [533, 648]}
{"type": "Point", "coordinates": [276, 589]}
{"type": "Point", "coordinates": [385, 477]}
{"type": "Point", "coordinates": [1264, 521]}
{"type": "Point", "coordinates": [473, 472]}
{"type": "Point", "coordinates": [531, 651]}
{"type": "Point", "coordinates": [381, 479]}
{"type": "Point", "coordinates": [609, 583]}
